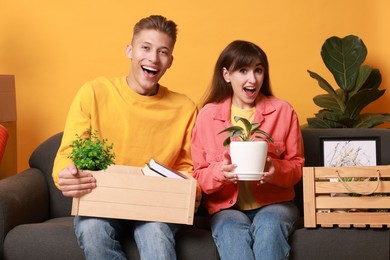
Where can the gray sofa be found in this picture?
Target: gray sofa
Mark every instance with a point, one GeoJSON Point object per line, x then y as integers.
{"type": "Point", "coordinates": [35, 221]}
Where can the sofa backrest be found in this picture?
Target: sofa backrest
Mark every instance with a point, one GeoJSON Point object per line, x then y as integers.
{"type": "Point", "coordinates": [312, 141]}
{"type": "Point", "coordinates": [42, 158]}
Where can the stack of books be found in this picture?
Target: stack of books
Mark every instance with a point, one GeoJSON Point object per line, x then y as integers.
{"type": "Point", "coordinates": [153, 168]}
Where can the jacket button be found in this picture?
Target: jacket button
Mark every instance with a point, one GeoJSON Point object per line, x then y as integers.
{"type": "Point", "coordinates": [231, 201]}
{"type": "Point", "coordinates": [277, 150]}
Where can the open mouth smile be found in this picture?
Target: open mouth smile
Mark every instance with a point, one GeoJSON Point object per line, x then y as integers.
{"type": "Point", "coordinates": [149, 70]}
{"type": "Point", "coordinates": [249, 90]}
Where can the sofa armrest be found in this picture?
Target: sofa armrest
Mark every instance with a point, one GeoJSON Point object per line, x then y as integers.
{"type": "Point", "coordinates": [24, 198]}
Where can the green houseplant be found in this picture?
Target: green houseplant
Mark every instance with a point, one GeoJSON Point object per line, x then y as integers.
{"type": "Point", "coordinates": [249, 153]}
{"type": "Point", "coordinates": [91, 153]}
{"type": "Point", "coordinates": [358, 86]}
{"type": "Point", "coordinates": [247, 133]}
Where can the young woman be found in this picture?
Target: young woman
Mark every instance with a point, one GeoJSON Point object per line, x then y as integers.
{"type": "Point", "coordinates": [250, 219]}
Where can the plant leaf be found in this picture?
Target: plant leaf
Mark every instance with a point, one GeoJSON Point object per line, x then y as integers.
{"type": "Point", "coordinates": [360, 100]}
{"type": "Point", "coordinates": [328, 102]}
{"type": "Point", "coordinates": [254, 126]}
{"type": "Point", "coordinates": [328, 88]}
{"type": "Point", "coordinates": [343, 57]}
{"type": "Point", "coordinates": [265, 136]}
{"type": "Point", "coordinates": [374, 80]}
{"type": "Point", "coordinates": [372, 120]}
{"type": "Point", "coordinates": [317, 123]}
{"type": "Point", "coordinates": [248, 127]}
{"type": "Point", "coordinates": [232, 129]}
{"type": "Point", "coordinates": [364, 73]}
{"type": "Point", "coordinates": [330, 119]}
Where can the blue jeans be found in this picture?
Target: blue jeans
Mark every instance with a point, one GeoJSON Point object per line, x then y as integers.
{"type": "Point", "coordinates": [99, 238]}
{"type": "Point", "coordinates": [255, 234]}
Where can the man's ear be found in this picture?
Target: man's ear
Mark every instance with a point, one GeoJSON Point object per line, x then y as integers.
{"type": "Point", "coordinates": [170, 64]}
{"type": "Point", "coordinates": [129, 51]}
{"type": "Point", "coordinates": [226, 74]}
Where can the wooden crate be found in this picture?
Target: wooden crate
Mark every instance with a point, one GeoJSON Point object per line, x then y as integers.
{"type": "Point", "coordinates": [325, 206]}
{"type": "Point", "coordinates": [124, 192]}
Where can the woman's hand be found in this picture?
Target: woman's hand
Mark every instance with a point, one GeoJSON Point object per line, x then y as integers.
{"type": "Point", "coordinates": [227, 169]}
{"type": "Point", "coordinates": [269, 171]}
{"type": "Point", "coordinates": [198, 197]}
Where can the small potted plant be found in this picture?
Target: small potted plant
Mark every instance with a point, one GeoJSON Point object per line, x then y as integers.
{"type": "Point", "coordinates": [91, 153]}
{"type": "Point", "coordinates": [248, 148]}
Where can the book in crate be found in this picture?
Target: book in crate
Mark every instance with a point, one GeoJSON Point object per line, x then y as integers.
{"type": "Point", "coordinates": [325, 206]}
{"type": "Point", "coordinates": [154, 168]}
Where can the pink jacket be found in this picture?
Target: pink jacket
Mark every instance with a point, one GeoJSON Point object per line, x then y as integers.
{"type": "Point", "coordinates": [277, 118]}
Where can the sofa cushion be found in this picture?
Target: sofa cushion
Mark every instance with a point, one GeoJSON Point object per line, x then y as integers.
{"type": "Point", "coordinates": [52, 239]}
{"type": "Point", "coordinates": [336, 243]}
{"type": "Point", "coordinates": [56, 239]}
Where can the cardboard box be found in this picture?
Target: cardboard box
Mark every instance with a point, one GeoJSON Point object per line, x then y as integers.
{"type": "Point", "coordinates": [7, 98]}
{"type": "Point", "coordinates": [8, 165]}
{"type": "Point", "coordinates": [123, 192]}
{"type": "Point", "coordinates": [327, 203]}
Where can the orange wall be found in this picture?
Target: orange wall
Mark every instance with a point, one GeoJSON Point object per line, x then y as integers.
{"type": "Point", "coordinates": [53, 47]}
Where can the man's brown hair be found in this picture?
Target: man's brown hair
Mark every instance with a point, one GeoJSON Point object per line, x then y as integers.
{"type": "Point", "coordinates": [159, 23]}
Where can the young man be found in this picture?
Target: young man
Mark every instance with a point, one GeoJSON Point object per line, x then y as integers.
{"type": "Point", "coordinates": [143, 120]}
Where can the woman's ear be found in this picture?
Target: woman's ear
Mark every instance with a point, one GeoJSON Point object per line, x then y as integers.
{"type": "Point", "coordinates": [226, 74]}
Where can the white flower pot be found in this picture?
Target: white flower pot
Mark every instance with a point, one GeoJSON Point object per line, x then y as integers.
{"type": "Point", "coordinates": [250, 158]}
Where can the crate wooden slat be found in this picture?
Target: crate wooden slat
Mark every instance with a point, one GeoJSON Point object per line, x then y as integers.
{"type": "Point", "coordinates": [325, 200]}
{"type": "Point", "coordinates": [124, 192]}
{"type": "Point", "coordinates": [355, 219]}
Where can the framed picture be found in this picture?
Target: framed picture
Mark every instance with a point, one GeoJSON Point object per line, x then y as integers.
{"type": "Point", "coordinates": [350, 151]}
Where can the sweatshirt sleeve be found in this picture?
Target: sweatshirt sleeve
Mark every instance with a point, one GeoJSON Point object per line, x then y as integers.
{"type": "Point", "coordinates": [184, 161]}
{"type": "Point", "coordinates": [77, 122]}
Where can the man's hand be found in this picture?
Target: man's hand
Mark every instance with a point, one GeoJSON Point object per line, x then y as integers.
{"type": "Point", "coordinates": [75, 183]}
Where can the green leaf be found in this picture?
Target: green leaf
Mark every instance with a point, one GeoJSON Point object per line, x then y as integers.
{"type": "Point", "coordinates": [374, 80]}
{"type": "Point", "coordinates": [372, 120]}
{"type": "Point", "coordinates": [328, 88]}
{"type": "Point", "coordinates": [329, 119]}
{"type": "Point", "coordinates": [360, 100]}
{"type": "Point", "coordinates": [364, 73]}
{"type": "Point", "coordinates": [343, 57]}
{"type": "Point", "coordinates": [248, 127]}
{"type": "Point", "coordinates": [317, 123]}
{"type": "Point", "coordinates": [231, 129]}
{"type": "Point", "coordinates": [328, 102]}
{"type": "Point", "coordinates": [265, 136]}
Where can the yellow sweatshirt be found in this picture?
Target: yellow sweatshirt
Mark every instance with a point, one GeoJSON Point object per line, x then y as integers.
{"type": "Point", "coordinates": [140, 127]}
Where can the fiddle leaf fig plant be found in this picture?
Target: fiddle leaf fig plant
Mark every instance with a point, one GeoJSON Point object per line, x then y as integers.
{"type": "Point", "coordinates": [358, 86]}
{"type": "Point", "coordinates": [247, 133]}
{"type": "Point", "coordinates": [91, 153]}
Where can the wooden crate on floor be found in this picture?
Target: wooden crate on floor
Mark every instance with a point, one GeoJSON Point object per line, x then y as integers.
{"type": "Point", "coordinates": [325, 205]}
